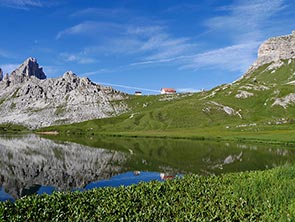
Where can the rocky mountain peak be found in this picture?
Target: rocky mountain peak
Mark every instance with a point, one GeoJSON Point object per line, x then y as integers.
{"type": "Point", "coordinates": [69, 73]}
{"type": "Point", "coordinates": [27, 69]}
{"type": "Point", "coordinates": [29, 98]}
{"type": "Point", "coordinates": [275, 49]}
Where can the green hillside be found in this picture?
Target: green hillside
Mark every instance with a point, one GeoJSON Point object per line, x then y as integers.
{"type": "Point", "coordinates": [260, 101]}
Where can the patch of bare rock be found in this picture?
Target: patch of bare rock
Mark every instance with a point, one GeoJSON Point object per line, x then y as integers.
{"type": "Point", "coordinates": [27, 97]}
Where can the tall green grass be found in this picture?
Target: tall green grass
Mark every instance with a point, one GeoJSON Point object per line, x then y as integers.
{"type": "Point", "coordinates": [251, 196]}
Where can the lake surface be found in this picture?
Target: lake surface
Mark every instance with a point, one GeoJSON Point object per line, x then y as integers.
{"type": "Point", "coordinates": [31, 164]}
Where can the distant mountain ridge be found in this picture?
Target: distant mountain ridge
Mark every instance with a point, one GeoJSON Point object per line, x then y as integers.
{"type": "Point", "coordinates": [27, 97]}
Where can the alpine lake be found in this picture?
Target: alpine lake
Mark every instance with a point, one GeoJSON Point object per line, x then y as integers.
{"type": "Point", "coordinates": [33, 164]}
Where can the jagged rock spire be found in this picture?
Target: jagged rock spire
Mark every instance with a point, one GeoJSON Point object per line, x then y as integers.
{"type": "Point", "coordinates": [29, 68]}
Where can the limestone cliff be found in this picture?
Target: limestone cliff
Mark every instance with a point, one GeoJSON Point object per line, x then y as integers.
{"type": "Point", "coordinates": [27, 97]}
{"type": "Point", "coordinates": [277, 48]}
{"type": "Point", "coordinates": [274, 50]}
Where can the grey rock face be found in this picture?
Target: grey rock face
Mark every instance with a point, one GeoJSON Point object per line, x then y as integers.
{"type": "Point", "coordinates": [29, 68]}
{"type": "Point", "coordinates": [29, 99]}
{"type": "Point", "coordinates": [285, 101]}
{"type": "Point", "coordinates": [274, 50]}
{"type": "Point", "coordinates": [1, 74]}
{"type": "Point", "coordinates": [31, 160]}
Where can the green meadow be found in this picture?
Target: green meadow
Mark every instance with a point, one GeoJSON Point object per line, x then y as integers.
{"type": "Point", "coordinates": [220, 113]}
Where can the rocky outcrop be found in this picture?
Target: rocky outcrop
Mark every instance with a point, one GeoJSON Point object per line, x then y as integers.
{"type": "Point", "coordinates": [29, 68]}
{"type": "Point", "coordinates": [285, 101]}
{"type": "Point", "coordinates": [29, 160]}
{"type": "Point", "coordinates": [243, 94]}
{"type": "Point", "coordinates": [1, 74]}
{"type": "Point", "coordinates": [277, 48]}
{"type": "Point", "coordinates": [30, 99]}
{"type": "Point", "coordinates": [274, 50]}
{"type": "Point", "coordinates": [217, 106]}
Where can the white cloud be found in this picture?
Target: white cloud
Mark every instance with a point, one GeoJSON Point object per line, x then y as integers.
{"type": "Point", "coordinates": [21, 4]}
{"type": "Point", "coordinates": [77, 29]}
{"type": "Point", "coordinates": [27, 4]}
{"type": "Point", "coordinates": [144, 30]}
{"type": "Point", "coordinates": [158, 44]}
{"type": "Point", "coordinates": [241, 29]}
{"type": "Point", "coordinates": [90, 28]}
{"type": "Point", "coordinates": [146, 42]}
{"type": "Point", "coordinates": [243, 25]}
{"type": "Point", "coordinates": [79, 58]}
{"type": "Point", "coordinates": [246, 20]}
{"type": "Point", "coordinates": [233, 58]}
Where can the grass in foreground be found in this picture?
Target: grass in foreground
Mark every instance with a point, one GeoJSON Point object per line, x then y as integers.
{"type": "Point", "coordinates": [249, 196]}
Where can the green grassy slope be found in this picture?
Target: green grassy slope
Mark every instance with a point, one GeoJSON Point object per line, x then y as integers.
{"type": "Point", "coordinates": [244, 106]}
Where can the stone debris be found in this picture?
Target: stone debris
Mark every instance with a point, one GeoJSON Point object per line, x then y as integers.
{"type": "Point", "coordinates": [243, 94]}
{"type": "Point", "coordinates": [228, 110]}
{"type": "Point", "coordinates": [285, 101]}
{"type": "Point", "coordinates": [275, 65]}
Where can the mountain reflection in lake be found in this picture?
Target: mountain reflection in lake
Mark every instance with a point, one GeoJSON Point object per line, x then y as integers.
{"type": "Point", "coordinates": [31, 164]}
{"type": "Point", "coordinates": [29, 161]}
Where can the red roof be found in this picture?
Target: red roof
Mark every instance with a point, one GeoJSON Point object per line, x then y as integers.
{"type": "Point", "coordinates": [168, 90]}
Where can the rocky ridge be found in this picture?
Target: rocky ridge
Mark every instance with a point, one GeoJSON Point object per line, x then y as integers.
{"type": "Point", "coordinates": [27, 97]}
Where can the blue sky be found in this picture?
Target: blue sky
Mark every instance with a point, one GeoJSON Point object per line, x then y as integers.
{"type": "Point", "coordinates": [187, 45]}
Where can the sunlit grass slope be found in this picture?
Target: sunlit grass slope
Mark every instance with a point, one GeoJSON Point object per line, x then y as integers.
{"type": "Point", "coordinates": [245, 106]}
